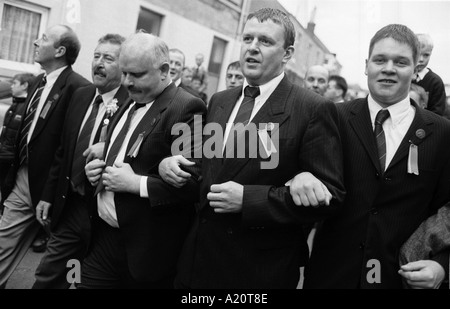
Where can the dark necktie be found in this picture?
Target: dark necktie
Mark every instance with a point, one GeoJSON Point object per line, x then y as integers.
{"type": "Point", "coordinates": [23, 144]}
{"type": "Point", "coordinates": [79, 161]}
{"type": "Point", "coordinates": [115, 148]}
{"type": "Point", "coordinates": [242, 116]}
{"type": "Point", "coordinates": [380, 137]}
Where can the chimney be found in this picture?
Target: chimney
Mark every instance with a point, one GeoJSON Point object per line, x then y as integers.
{"type": "Point", "coordinates": [311, 24]}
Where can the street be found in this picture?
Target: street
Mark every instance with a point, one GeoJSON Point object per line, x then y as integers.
{"type": "Point", "coordinates": [23, 276]}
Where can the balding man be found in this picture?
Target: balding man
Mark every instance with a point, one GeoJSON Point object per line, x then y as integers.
{"type": "Point", "coordinates": [37, 142]}
{"type": "Point", "coordinates": [142, 220]}
{"type": "Point", "coordinates": [316, 79]}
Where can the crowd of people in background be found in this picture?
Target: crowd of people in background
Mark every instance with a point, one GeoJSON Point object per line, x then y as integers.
{"type": "Point", "coordinates": [359, 197]}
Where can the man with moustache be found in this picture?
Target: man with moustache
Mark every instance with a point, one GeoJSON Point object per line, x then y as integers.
{"type": "Point", "coordinates": [142, 220]}
{"type": "Point", "coordinates": [66, 202]}
{"type": "Point", "coordinates": [37, 142]}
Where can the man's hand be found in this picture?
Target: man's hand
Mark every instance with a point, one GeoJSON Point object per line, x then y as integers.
{"type": "Point", "coordinates": [94, 170]}
{"type": "Point", "coordinates": [425, 274]}
{"type": "Point", "coordinates": [170, 171]}
{"type": "Point", "coordinates": [94, 152]}
{"type": "Point", "coordinates": [121, 178]}
{"type": "Point", "coordinates": [307, 190]}
{"type": "Point", "coordinates": [42, 210]}
{"type": "Point", "coordinates": [226, 197]}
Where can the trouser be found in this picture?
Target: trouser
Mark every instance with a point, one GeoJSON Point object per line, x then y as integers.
{"type": "Point", "coordinates": [18, 228]}
{"type": "Point", "coordinates": [69, 242]}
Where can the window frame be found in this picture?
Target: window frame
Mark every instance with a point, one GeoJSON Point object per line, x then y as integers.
{"type": "Point", "coordinates": [232, 5]}
{"type": "Point", "coordinates": [15, 66]}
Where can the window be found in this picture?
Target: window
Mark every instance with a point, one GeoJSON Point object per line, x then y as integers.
{"type": "Point", "coordinates": [149, 21]}
{"type": "Point", "coordinates": [21, 24]}
{"type": "Point", "coordinates": [19, 29]}
{"type": "Point", "coordinates": [234, 4]}
{"type": "Point", "coordinates": [217, 55]}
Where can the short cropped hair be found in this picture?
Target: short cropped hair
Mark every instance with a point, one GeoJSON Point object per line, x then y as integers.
{"type": "Point", "coordinates": [399, 33]}
{"type": "Point", "coordinates": [341, 83]}
{"type": "Point", "coordinates": [280, 18]}
{"type": "Point", "coordinates": [234, 65]}
{"type": "Point", "coordinates": [25, 78]}
{"type": "Point", "coordinates": [112, 38]}
{"type": "Point", "coordinates": [69, 40]}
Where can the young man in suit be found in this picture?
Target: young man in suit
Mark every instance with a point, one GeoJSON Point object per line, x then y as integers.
{"type": "Point", "coordinates": [247, 232]}
{"type": "Point", "coordinates": [396, 171]}
{"type": "Point", "coordinates": [66, 203]}
{"type": "Point", "coordinates": [37, 142]}
{"type": "Point", "coordinates": [142, 220]}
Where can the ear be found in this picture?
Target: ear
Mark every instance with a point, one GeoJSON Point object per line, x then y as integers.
{"type": "Point", "coordinates": [24, 86]}
{"type": "Point", "coordinates": [165, 68]}
{"type": "Point", "coordinates": [60, 52]}
{"type": "Point", "coordinates": [288, 53]}
{"type": "Point", "coordinates": [365, 70]}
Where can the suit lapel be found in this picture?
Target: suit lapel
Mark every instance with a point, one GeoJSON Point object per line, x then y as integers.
{"type": "Point", "coordinates": [50, 102]}
{"type": "Point", "coordinates": [420, 129]}
{"type": "Point", "coordinates": [152, 117]}
{"type": "Point", "coordinates": [273, 111]}
{"type": "Point", "coordinates": [82, 108]}
{"type": "Point", "coordinates": [362, 125]}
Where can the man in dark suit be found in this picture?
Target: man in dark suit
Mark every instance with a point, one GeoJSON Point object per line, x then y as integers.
{"type": "Point", "coordinates": [247, 232]}
{"type": "Point", "coordinates": [396, 171]}
{"type": "Point", "coordinates": [67, 198]}
{"type": "Point", "coordinates": [142, 220]}
{"type": "Point", "coordinates": [37, 143]}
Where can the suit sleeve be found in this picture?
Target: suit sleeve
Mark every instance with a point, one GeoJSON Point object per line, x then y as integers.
{"type": "Point", "coordinates": [161, 193]}
{"type": "Point", "coordinates": [437, 100]}
{"type": "Point", "coordinates": [321, 155]}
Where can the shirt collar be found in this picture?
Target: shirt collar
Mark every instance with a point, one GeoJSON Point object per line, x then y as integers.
{"type": "Point", "coordinates": [422, 73]}
{"type": "Point", "coordinates": [397, 111]}
{"type": "Point", "coordinates": [266, 89]}
{"type": "Point", "coordinates": [53, 76]}
{"type": "Point", "coordinates": [108, 96]}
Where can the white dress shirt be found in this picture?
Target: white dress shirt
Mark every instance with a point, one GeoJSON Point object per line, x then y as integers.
{"type": "Point", "coordinates": [265, 90]}
{"type": "Point", "coordinates": [105, 199]}
{"type": "Point", "coordinates": [51, 79]}
{"type": "Point", "coordinates": [396, 126]}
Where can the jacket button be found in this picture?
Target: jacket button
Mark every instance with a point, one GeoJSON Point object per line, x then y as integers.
{"type": "Point", "coordinates": [362, 246]}
{"type": "Point", "coordinates": [374, 211]}
{"type": "Point", "coordinates": [229, 231]}
{"type": "Point", "coordinates": [67, 178]}
{"type": "Point", "coordinates": [377, 176]}
{"type": "Point", "coordinates": [63, 196]}
{"type": "Point", "coordinates": [388, 179]}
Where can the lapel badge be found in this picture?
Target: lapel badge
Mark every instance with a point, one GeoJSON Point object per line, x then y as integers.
{"type": "Point", "coordinates": [421, 133]}
{"type": "Point", "coordinates": [270, 126]}
{"type": "Point", "coordinates": [153, 121]}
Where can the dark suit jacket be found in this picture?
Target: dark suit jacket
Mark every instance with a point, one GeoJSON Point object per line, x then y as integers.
{"type": "Point", "coordinates": [154, 229]}
{"type": "Point", "coordinates": [58, 184]}
{"type": "Point", "coordinates": [46, 135]}
{"type": "Point", "coordinates": [263, 246]}
{"type": "Point", "coordinates": [381, 210]}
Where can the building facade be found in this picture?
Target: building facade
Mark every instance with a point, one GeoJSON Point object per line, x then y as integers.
{"type": "Point", "coordinates": [210, 27]}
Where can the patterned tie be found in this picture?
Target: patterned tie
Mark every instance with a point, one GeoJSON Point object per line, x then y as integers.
{"type": "Point", "coordinates": [79, 161]}
{"type": "Point", "coordinates": [115, 148]}
{"type": "Point", "coordinates": [242, 116]}
{"type": "Point", "coordinates": [379, 135]}
{"type": "Point", "coordinates": [23, 144]}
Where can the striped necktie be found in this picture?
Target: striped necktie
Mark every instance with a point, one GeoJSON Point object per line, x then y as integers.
{"type": "Point", "coordinates": [380, 137]}
{"type": "Point", "coordinates": [23, 144]}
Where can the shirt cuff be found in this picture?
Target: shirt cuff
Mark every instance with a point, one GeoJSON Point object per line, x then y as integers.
{"type": "Point", "coordinates": [143, 187]}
